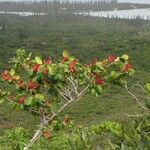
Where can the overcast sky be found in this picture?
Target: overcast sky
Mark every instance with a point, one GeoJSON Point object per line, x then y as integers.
{"type": "Point", "coordinates": [133, 1]}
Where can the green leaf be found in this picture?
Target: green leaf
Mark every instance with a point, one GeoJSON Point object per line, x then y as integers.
{"type": "Point", "coordinates": [93, 91]}
{"type": "Point", "coordinates": [125, 57]}
{"type": "Point", "coordinates": [99, 89]}
{"type": "Point", "coordinates": [99, 65]}
{"type": "Point", "coordinates": [28, 101]}
{"type": "Point", "coordinates": [40, 97]}
{"type": "Point", "coordinates": [1, 100]}
{"type": "Point", "coordinates": [148, 86]}
{"type": "Point", "coordinates": [58, 77]}
{"type": "Point", "coordinates": [71, 58]}
{"type": "Point", "coordinates": [65, 54]}
{"type": "Point", "coordinates": [21, 107]}
{"type": "Point", "coordinates": [51, 70]}
{"type": "Point", "coordinates": [12, 72]}
{"type": "Point", "coordinates": [112, 73]}
{"type": "Point", "coordinates": [38, 60]}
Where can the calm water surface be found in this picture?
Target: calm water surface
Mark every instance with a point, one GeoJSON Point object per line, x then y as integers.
{"type": "Point", "coordinates": [126, 14]}
{"type": "Point", "coordinates": [22, 13]}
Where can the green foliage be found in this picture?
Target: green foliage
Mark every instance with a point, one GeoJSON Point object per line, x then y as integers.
{"type": "Point", "coordinates": [111, 135]}
{"type": "Point", "coordinates": [133, 134]}
{"type": "Point", "coordinates": [14, 139]}
{"type": "Point", "coordinates": [43, 78]}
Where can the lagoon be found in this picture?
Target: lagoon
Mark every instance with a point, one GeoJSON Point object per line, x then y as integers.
{"type": "Point", "coordinates": [23, 13]}
{"type": "Point", "coordinates": [123, 14]}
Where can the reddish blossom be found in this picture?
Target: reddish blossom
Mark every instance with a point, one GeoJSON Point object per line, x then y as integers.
{"type": "Point", "coordinates": [104, 62]}
{"type": "Point", "coordinates": [99, 80]}
{"type": "Point", "coordinates": [45, 72]}
{"type": "Point", "coordinates": [94, 74]}
{"type": "Point", "coordinates": [36, 68]}
{"type": "Point", "coordinates": [21, 100]}
{"type": "Point", "coordinates": [71, 66]}
{"type": "Point", "coordinates": [46, 134]}
{"type": "Point", "coordinates": [127, 67]}
{"type": "Point", "coordinates": [66, 121]}
{"type": "Point", "coordinates": [20, 83]}
{"type": "Point", "coordinates": [111, 58]}
{"type": "Point", "coordinates": [32, 85]}
{"type": "Point", "coordinates": [5, 75]}
{"type": "Point", "coordinates": [48, 61]}
{"type": "Point", "coordinates": [64, 59]}
{"type": "Point", "coordinates": [14, 78]}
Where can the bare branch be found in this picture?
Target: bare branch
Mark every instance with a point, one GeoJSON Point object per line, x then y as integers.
{"type": "Point", "coordinates": [136, 99]}
{"type": "Point", "coordinates": [136, 115]}
{"type": "Point", "coordinates": [61, 93]}
{"type": "Point", "coordinates": [83, 91]}
{"type": "Point", "coordinates": [138, 85]}
{"type": "Point", "coordinates": [39, 132]}
{"type": "Point", "coordinates": [73, 84]}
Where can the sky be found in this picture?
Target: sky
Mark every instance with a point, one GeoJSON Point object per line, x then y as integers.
{"type": "Point", "coordinates": [133, 1]}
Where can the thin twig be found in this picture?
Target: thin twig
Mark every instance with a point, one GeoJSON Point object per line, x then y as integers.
{"type": "Point", "coordinates": [138, 85]}
{"type": "Point", "coordinates": [136, 99]}
{"type": "Point", "coordinates": [61, 93]}
{"type": "Point", "coordinates": [38, 133]}
{"type": "Point", "coordinates": [73, 84]}
{"type": "Point", "coordinates": [136, 115]}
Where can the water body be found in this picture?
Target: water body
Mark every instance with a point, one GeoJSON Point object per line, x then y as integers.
{"type": "Point", "coordinates": [22, 13]}
{"type": "Point", "coordinates": [124, 14]}
{"type": "Point", "coordinates": [135, 1]}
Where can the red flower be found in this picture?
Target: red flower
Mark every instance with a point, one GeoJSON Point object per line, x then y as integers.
{"type": "Point", "coordinates": [99, 80]}
{"type": "Point", "coordinates": [45, 72]}
{"type": "Point", "coordinates": [48, 61]}
{"type": "Point", "coordinates": [46, 134]}
{"type": "Point", "coordinates": [94, 74]}
{"type": "Point", "coordinates": [21, 100]}
{"type": "Point", "coordinates": [127, 67]}
{"type": "Point", "coordinates": [5, 75]}
{"type": "Point", "coordinates": [36, 67]}
{"type": "Point", "coordinates": [104, 62]}
{"type": "Point", "coordinates": [71, 66]}
{"type": "Point", "coordinates": [64, 59]}
{"type": "Point", "coordinates": [66, 121]}
{"type": "Point", "coordinates": [14, 78]}
{"type": "Point", "coordinates": [21, 83]}
{"type": "Point", "coordinates": [32, 85]}
{"type": "Point", "coordinates": [111, 58]}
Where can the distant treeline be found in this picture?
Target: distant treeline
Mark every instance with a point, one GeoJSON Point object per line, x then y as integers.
{"type": "Point", "coordinates": [66, 5]}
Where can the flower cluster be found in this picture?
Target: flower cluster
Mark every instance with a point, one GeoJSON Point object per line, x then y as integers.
{"type": "Point", "coordinates": [44, 78]}
{"type": "Point", "coordinates": [5, 75]}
